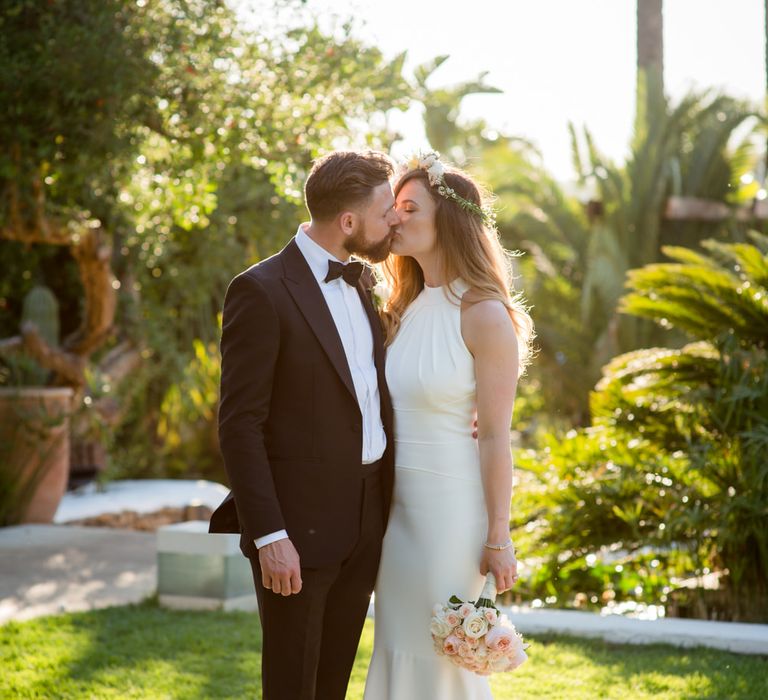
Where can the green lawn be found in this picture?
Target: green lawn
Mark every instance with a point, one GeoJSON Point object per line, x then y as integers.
{"type": "Point", "coordinates": [145, 652]}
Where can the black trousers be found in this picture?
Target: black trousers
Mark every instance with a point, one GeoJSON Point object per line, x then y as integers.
{"type": "Point", "coordinates": [310, 639]}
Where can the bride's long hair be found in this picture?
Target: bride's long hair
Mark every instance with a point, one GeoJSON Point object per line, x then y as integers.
{"type": "Point", "coordinates": [467, 249]}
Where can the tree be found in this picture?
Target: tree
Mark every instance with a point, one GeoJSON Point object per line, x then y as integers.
{"type": "Point", "coordinates": [442, 108]}
{"type": "Point", "coordinates": [579, 255]}
{"type": "Point", "coordinates": [57, 118]}
{"type": "Point", "coordinates": [164, 145]}
{"type": "Point", "coordinates": [650, 48]}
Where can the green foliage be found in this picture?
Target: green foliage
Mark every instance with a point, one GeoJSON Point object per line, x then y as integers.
{"type": "Point", "coordinates": [303, 94]}
{"type": "Point", "coordinates": [678, 149]}
{"type": "Point", "coordinates": [446, 133]}
{"type": "Point", "coordinates": [187, 136]}
{"type": "Point", "coordinates": [706, 295]}
{"type": "Point", "coordinates": [590, 488]}
{"type": "Point", "coordinates": [187, 425]}
{"type": "Point", "coordinates": [72, 73]}
{"type": "Point", "coordinates": [674, 463]}
{"type": "Point", "coordinates": [579, 252]}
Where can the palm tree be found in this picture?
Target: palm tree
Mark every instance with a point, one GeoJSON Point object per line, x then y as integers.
{"type": "Point", "coordinates": [578, 258]}
{"type": "Point", "coordinates": [441, 112]}
{"type": "Point", "coordinates": [650, 47]}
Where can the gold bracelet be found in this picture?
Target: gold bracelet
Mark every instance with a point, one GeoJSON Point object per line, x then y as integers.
{"type": "Point", "coordinates": [498, 547]}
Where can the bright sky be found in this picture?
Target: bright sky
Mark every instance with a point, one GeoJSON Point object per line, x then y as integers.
{"type": "Point", "coordinates": [561, 60]}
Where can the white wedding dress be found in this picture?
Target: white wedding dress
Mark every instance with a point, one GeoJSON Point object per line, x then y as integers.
{"type": "Point", "coordinates": [438, 523]}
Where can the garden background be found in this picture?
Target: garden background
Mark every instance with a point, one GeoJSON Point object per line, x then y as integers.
{"type": "Point", "coordinates": [153, 149]}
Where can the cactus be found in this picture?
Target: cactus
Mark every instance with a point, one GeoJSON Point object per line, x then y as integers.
{"type": "Point", "coordinates": [41, 308]}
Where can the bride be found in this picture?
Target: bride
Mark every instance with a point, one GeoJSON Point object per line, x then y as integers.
{"type": "Point", "coordinates": [457, 342]}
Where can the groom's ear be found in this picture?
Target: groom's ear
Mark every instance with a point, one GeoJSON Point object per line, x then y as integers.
{"type": "Point", "coordinates": [348, 222]}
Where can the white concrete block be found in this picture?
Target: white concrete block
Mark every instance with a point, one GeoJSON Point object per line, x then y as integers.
{"type": "Point", "coordinates": [197, 570]}
{"type": "Point", "coordinates": [192, 537]}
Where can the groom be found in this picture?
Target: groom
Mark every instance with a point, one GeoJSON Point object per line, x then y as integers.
{"type": "Point", "coordinates": [305, 426]}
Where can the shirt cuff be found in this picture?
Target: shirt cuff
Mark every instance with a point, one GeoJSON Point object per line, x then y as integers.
{"type": "Point", "coordinates": [270, 538]}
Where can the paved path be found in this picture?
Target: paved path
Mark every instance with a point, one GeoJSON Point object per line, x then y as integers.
{"type": "Point", "coordinates": [46, 569]}
{"type": "Point", "coordinates": [731, 636]}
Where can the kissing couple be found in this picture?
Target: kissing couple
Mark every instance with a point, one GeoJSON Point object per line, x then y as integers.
{"type": "Point", "coordinates": [365, 425]}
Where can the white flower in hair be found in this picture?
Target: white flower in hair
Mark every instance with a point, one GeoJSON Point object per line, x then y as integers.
{"type": "Point", "coordinates": [430, 163]}
{"type": "Point", "coordinates": [428, 160]}
{"type": "Point", "coordinates": [435, 172]}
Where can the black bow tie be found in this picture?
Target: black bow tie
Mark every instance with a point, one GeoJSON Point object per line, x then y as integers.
{"type": "Point", "coordinates": [350, 272]}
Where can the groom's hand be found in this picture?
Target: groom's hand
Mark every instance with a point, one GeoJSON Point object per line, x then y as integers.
{"type": "Point", "coordinates": [280, 567]}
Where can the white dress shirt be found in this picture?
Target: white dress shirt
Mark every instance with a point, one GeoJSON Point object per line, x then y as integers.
{"type": "Point", "coordinates": [355, 332]}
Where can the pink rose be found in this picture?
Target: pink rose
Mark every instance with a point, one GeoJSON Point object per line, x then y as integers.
{"type": "Point", "coordinates": [464, 649]}
{"type": "Point", "coordinates": [459, 632]}
{"type": "Point", "coordinates": [466, 609]}
{"type": "Point", "coordinates": [491, 616]}
{"type": "Point", "coordinates": [452, 618]}
{"type": "Point", "coordinates": [451, 645]}
{"type": "Point", "coordinates": [515, 659]}
{"type": "Point", "coordinates": [495, 655]}
{"type": "Point", "coordinates": [500, 639]}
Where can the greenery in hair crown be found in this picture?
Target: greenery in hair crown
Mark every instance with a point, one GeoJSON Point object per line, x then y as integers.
{"type": "Point", "coordinates": [430, 163]}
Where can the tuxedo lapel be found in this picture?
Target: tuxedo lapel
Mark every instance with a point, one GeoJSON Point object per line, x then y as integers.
{"type": "Point", "coordinates": [375, 323]}
{"type": "Point", "coordinates": [303, 287]}
{"type": "Point", "coordinates": [379, 355]}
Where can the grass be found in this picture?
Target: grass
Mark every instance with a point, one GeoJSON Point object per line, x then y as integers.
{"type": "Point", "coordinates": [147, 652]}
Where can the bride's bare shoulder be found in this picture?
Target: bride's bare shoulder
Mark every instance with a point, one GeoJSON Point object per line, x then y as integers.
{"type": "Point", "coordinates": [485, 321]}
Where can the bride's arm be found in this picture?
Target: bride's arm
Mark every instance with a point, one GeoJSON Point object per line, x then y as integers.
{"type": "Point", "coordinates": [490, 336]}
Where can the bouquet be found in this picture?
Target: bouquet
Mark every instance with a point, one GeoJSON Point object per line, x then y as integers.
{"type": "Point", "coordinates": [476, 635]}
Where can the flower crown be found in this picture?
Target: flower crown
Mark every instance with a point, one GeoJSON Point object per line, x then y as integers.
{"type": "Point", "coordinates": [431, 164]}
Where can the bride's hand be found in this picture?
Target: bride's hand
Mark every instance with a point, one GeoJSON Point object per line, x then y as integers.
{"type": "Point", "coordinates": [502, 564]}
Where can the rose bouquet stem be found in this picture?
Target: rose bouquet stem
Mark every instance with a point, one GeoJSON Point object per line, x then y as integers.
{"type": "Point", "coordinates": [487, 598]}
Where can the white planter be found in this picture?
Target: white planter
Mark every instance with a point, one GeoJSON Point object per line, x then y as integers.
{"type": "Point", "coordinates": [201, 571]}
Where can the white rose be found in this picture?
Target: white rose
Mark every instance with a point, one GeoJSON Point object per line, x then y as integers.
{"type": "Point", "coordinates": [475, 625]}
{"type": "Point", "coordinates": [439, 627]}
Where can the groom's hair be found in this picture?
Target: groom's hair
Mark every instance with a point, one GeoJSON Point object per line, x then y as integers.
{"type": "Point", "coordinates": [344, 179]}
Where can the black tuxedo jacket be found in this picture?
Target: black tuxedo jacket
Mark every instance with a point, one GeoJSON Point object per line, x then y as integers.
{"type": "Point", "coordinates": [290, 427]}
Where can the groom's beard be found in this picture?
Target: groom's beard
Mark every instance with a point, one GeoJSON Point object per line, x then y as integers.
{"type": "Point", "coordinates": [357, 244]}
